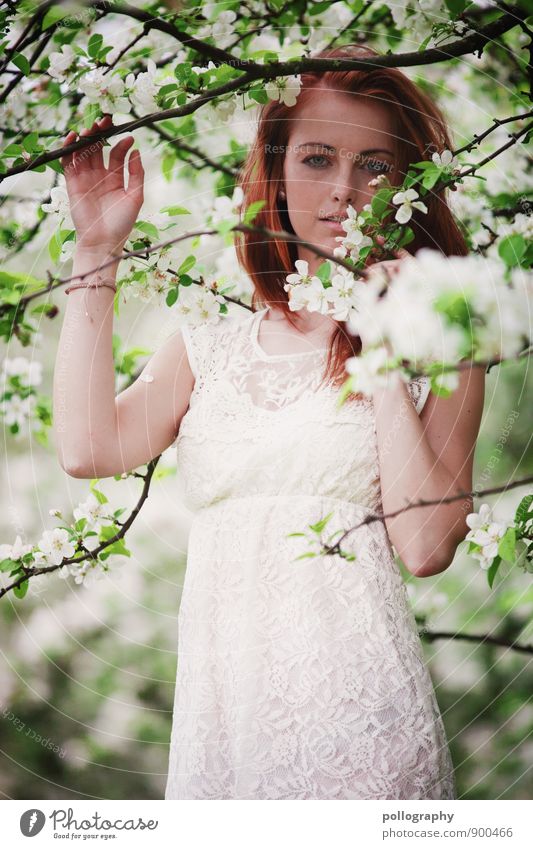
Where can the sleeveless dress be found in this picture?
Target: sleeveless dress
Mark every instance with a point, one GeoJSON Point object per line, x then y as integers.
{"type": "Point", "coordinates": [296, 679]}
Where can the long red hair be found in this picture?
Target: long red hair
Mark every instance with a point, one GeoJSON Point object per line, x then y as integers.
{"type": "Point", "coordinates": [420, 130]}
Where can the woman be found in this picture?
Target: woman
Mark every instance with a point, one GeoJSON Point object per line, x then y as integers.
{"type": "Point", "coordinates": [297, 678]}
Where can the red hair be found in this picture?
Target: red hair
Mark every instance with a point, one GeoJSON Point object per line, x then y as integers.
{"type": "Point", "coordinates": [420, 130]}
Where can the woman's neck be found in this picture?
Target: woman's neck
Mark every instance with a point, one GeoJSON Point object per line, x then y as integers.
{"type": "Point", "coordinates": [307, 323]}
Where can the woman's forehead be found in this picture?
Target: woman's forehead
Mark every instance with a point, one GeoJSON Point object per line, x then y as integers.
{"type": "Point", "coordinates": [337, 117]}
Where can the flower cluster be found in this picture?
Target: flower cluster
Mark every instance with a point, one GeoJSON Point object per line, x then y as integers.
{"type": "Point", "coordinates": [108, 89]}
{"type": "Point", "coordinates": [352, 243]}
{"type": "Point", "coordinates": [18, 400]}
{"type": "Point", "coordinates": [433, 313]}
{"type": "Point", "coordinates": [440, 310]}
{"type": "Point", "coordinates": [62, 543]}
{"type": "Point", "coordinates": [485, 535]}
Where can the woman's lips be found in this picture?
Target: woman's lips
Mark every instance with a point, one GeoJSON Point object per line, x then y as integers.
{"type": "Point", "coordinates": [333, 225]}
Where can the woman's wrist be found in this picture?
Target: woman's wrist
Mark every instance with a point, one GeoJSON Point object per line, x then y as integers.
{"type": "Point", "coordinates": [101, 259]}
{"type": "Point", "coordinates": [98, 253]}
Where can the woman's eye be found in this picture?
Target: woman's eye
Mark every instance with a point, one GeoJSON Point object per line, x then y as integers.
{"type": "Point", "coordinates": [315, 156]}
{"type": "Point", "coordinates": [381, 166]}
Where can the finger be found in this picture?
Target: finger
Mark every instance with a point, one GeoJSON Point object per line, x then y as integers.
{"type": "Point", "coordinates": [136, 176]}
{"type": "Point", "coordinates": [91, 155]}
{"type": "Point", "coordinates": [97, 159]}
{"type": "Point", "coordinates": [67, 161]}
{"type": "Point", "coordinates": [117, 155]}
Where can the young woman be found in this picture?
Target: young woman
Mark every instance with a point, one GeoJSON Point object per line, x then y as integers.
{"type": "Point", "coordinates": [297, 678]}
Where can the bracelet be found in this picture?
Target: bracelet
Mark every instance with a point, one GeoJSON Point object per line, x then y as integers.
{"type": "Point", "coordinates": [100, 283]}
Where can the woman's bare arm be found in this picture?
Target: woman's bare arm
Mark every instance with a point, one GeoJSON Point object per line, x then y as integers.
{"type": "Point", "coordinates": [96, 433]}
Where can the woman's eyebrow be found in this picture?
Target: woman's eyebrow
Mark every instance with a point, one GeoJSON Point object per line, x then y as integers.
{"type": "Point", "coordinates": [333, 149]}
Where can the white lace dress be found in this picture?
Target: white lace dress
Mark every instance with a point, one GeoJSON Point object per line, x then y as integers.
{"type": "Point", "coordinates": [296, 679]}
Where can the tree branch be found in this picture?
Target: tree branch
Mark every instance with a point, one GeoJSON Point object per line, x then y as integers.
{"type": "Point", "coordinates": [380, 517]}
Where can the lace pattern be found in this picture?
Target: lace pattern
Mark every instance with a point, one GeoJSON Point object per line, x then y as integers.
{"type": "Point", "coordinates": [296, 679]}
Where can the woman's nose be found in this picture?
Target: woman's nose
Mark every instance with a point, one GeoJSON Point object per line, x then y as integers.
{"type": "Point", "coordinates": [343, 193]}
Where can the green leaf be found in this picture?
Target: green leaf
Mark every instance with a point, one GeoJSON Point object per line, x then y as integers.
{"type": "Point", "coordinates": [318, 527]}
{"type": "Point", "coordinates": [167, 164]}
{"type": "Point", "coordinates": [117, 547]}
{"type": "Point", "coordinates": [7, 565]}
{"type": "Point", "coordinates": [148, 229]}
{"type": "Point", "coordinates": [524, 513]}
{"type": "Point", "coordinates": [512, 248]}
{"type": "Point", "coordinates": [258, 94]}
{"type": "Point", "coordinates": [54, 15]}
{"type": "Point", "coordinates": [187, 264]}
{"type": "Point", "coordinates": [506, 546]}
{"type": "Point", "coordinates": [252, 211]}
{"type": "Point", "coordinates": [55, 165]}
{"type": "Point", "coordinates": [323, 271]}
{"type": "Point", "coordinates": [21, 62]}
{"type": "Point", "coordinates": [56, 242]}
{"type": "Point", "coordinates": [307, 554]}
{"type": "Point", "coordinates": [31, 143]}
{"type": "Point", "coordinates": [172, 296]}
{"type": "Point", "coordinates": [380, 201]}
{"type": "Point", "coordinates": [12, 150]}
{"type": "Point", "coordinates": [95, 44]}
{"type": "Point", "coordinates": [17, 282]}
{"type": "Point", "coordinates": [456, 7]}
{"type": "Point", "coordinates": [167, 89]}
{"type": "Point", "coordinates": [346, 389]}
{"type": "Point", "coordinates": [491, 573]}
{"type": "Point", "coordinates": [429, 180]}
{"type": "Point", "coordinates": [317, 8]}
{"type": "Point", "coordinates": [22, 589]}
{"type": "Point", "coordinates": [439, 388]}
{"type": "Point", "coordinates": [175, 210]}
{"type": "Point", "coordinates": [102, 499]}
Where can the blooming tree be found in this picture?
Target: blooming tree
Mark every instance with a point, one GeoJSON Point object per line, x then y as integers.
{"type": "Point", "coordinates": [176, 74]}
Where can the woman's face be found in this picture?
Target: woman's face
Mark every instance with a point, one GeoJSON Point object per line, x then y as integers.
{"type": "Point", "coordinates": [338, 142]}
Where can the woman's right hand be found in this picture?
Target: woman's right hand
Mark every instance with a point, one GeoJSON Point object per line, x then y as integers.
{"type": "Point", "coordinates": [102, 209]}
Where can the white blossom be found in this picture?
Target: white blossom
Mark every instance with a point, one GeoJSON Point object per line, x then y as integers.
{"type": "Point", "coordinates": [17, 410]}
{"type": "Point", "coordinates": [222, 30]}
{"type": "Point", "coordinates": [284, 89]}
{"type": "Point", "coordinates": [410, 317]}
{"type": "Point", "coordinates": [368, 370]}
{"type": "Point", "coordinates": [105, 89]}
{"type": "Point", "coordinates": [95, 513]}
{"type": "Point", "coordinates": [61, 62]}
{"type": "Point", "coordinates": [15, 551]}
{"type": "Point", "coordinates": [301, 276]}
{"type": "Point", "coordinates": [407, 201]}
{"type": "Point", "coordinates": [445, 159]}
{"type": "Point", "coordinates": [199, 305]}
{"type": "Point", "coordinates": [487, 533]}
{"type": "Point", "coordinates": [56, 545]}
{"type": "Point", "coordinates": [144, 89]}
{"type": "Point", "coordinates": [225, 207]}
{"type": "Point", "coordinates": [29, 372]}
{"type": "Point", "coordinates": [224, 109]}
{"type": "Point", "coordinates": [311, 296]}
{"type": "Point", "coordinates": [342, 294]}
{"type": "Point", "coordinates": [59, 202]}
